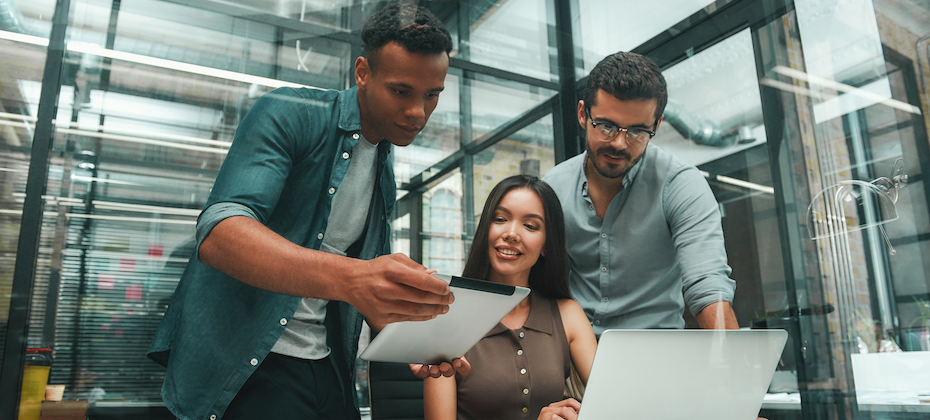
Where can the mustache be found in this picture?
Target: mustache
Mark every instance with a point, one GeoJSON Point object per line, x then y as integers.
{"type": "Point", "coordinates": [615, 152]}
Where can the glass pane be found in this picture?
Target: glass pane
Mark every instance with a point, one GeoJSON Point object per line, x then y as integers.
{"type": "Point", "coordinates": [514, 36]}
{"type": "Point", "coordinates": [443, 248]}
{"type": "Point", "coordinates": [603, 29]}
{"type": "Point", "coordinates": [857, 153]}
{"type": "Point", "coordinates": [495, 102]}
{"type": "Point", "coordinates": [528, 151]}
{"type": "Point", "coordinates": [23, 39]}
{"type": "Point", "coordinates": [145, 118]}
{"type": "Point", "coordinates": [714, 108]}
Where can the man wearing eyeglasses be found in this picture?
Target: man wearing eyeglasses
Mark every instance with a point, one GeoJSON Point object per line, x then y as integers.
{"type": "Point", "coordinates": [642, 228]}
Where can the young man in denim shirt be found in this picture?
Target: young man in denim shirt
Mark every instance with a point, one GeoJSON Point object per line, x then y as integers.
{"type": "Point", "coordinates": [294, 241]}
{"type": "Point", "coordinates": [642, 228]}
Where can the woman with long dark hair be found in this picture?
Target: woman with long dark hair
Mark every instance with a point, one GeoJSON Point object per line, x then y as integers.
{"type": "Point", "coordinates": [521, 365]}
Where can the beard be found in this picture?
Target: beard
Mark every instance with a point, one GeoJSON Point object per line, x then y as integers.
{"type": "Point", "coordinates": [608, 170]}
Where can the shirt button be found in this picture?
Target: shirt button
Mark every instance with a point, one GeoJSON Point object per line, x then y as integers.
{"type": "Point", "coordinates": [283, 321]}
{"type": "Point", "coordinates": [598, 322]}
{"type": "Point", "coordinates": [332, 190]}
{"type": "Point", "coordinates": [526, 391]}
{"type": "Point", "coordinates": [355, 136]}
{"type": "Point", "coordinates": [519, 352]}
{"type": "Point", "coordinates": [591, 207]}
{"type": "Point", "coordinates": [319, 236]}
{"type": "Point", "coordinates": [525, 410]}
{"type": "Point", "coordinates": [603, 235]}
{"type": "Point", "coordinates": [522, 334]}
{"type": "Point", "coordinates": [523, 371]}
{"type": "Point", "coordinates": [254, 362]}
{"type": "Point", "coordinates": [606, 299]}
{"type": "Point", "coordinates": [213, 416]}
{"type": "Point", "coordinates": [604, 269]}
{"type": "Point", "coordinates": [345, 155]}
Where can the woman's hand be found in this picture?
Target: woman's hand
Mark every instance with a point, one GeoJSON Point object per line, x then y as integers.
{"type": "Point", "coordinates": [562, 410]}
{"type": "Point", "coordinates": [460, 366]}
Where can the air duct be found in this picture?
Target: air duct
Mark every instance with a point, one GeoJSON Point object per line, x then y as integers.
{"type": "Point", "coordinates": [703, 131]}
{"type": "Point", "coordinates": [11, 20]}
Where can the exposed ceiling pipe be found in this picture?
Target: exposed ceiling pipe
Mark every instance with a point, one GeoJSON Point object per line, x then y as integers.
{"type": "Point", "coordinates": [703, 131]}
{"type": "Point", "coordinates": [10, 18]}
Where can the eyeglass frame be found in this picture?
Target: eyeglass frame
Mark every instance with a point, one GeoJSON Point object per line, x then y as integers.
{"type": "Point", "coordinates": [587, 111]}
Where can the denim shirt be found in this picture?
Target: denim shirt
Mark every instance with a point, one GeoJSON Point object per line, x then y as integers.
{"type": "Point", "coordinates": [659, 247]}
{"type": "Point", "coordinates": [290, 154]}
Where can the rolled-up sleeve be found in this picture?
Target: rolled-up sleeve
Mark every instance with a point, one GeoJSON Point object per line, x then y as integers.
{"type": "Point", "coordinates": [694, 220]}
{"type": "Point", "coordinates": [216, 213]}
{"type": "Point", "coordinates": [259, 161]}
{"type": "Point", "coordinates": [271, 137]}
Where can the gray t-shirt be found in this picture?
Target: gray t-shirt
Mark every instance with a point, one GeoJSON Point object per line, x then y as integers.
{"type": "Point", "coordinates": [305, 335]}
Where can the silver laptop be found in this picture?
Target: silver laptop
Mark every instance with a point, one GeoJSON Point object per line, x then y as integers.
{"type": "Point", "coordinates": [678, 374]}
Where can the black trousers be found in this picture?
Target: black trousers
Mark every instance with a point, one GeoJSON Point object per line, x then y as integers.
{"type": "Point", "coordinates": [285, 387]}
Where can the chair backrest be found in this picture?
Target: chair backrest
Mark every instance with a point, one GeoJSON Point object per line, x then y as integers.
{"type": "Point", "coordinates": [396, 393]}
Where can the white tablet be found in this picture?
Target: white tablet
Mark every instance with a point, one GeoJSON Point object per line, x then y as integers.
{"type": "Point", "coordinates": [479, 305]}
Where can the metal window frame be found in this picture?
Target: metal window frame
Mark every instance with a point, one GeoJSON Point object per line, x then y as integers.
{"type": "Point", "coordinates": [14, 350]}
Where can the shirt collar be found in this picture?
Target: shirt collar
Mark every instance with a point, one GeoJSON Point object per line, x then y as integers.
{"type": "Point", "coordinates": [627, 179]}
{"type": "Point", "coordinates": [539, 319]}
{"type": "Point", "coordinates": [350, 117]}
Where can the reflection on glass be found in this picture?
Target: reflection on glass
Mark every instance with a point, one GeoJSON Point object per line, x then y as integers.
{"type": "Point", "coordinates": [602, 33]}
{"type": "Point", "coordinates": [496, 102]}
{"type": "Point", "coordinates": [443, 248]}
{"type": "Point", "coordinates": [19, 62]}
{"type": "Point", "coordinates": [514, 36]}
{"type": "Point", "coordinates": [714, 108]}
{"type": "Point", "coordinates": [528, 151]}
{"type": "Point", "coordinates": [853, 205]}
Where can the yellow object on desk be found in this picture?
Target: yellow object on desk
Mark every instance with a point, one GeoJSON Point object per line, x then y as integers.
{"type": "Point", "coordinates": [35, 377]}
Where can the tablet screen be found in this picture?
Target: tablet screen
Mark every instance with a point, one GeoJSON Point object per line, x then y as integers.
{"type": "Point", "coordinates": [479, 305]}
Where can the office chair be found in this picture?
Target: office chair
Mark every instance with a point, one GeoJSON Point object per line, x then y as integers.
{"type": "Point", "coordinates": [396, 393]}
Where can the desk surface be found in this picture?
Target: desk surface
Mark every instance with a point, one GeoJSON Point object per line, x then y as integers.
{"type": "Point", "coordinates": [884, 401]}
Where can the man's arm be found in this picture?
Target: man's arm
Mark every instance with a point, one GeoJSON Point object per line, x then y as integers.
{"type": "Point", "coordinates": [389, 288]}
{"type": "Point", "coordinates": [694, 220]}
{"type": "Point", "coordinates": [717, 316]}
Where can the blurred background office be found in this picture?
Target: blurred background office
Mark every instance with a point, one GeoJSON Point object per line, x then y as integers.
{"type": "Point", "coordinates": [809, 119]}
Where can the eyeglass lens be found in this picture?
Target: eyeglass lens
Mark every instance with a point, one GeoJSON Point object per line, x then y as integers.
{"type": "Point", "coordinates": [607, 132]}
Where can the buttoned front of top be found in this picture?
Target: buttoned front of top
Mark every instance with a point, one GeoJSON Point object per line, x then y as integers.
{"type": "Point", "coordinates": [289, 151]}
{"type": "Point", "coordinates": [517, 372]}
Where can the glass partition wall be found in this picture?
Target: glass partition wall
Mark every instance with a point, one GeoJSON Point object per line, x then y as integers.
{"type": "Point", "coordinates": [808, 119]}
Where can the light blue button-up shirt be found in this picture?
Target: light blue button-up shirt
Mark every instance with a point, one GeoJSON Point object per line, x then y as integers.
{"type": "Point", "coordinates": [659, 246]}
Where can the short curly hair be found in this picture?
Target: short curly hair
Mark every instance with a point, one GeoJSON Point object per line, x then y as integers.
{"type": "Point", "coordinates": [414, 27]}
{"type": "Point", "coordinates": [628, 76]}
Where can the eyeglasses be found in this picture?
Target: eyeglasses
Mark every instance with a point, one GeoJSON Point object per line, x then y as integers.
{"type": "Point", "coordinates": [607, 132]}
